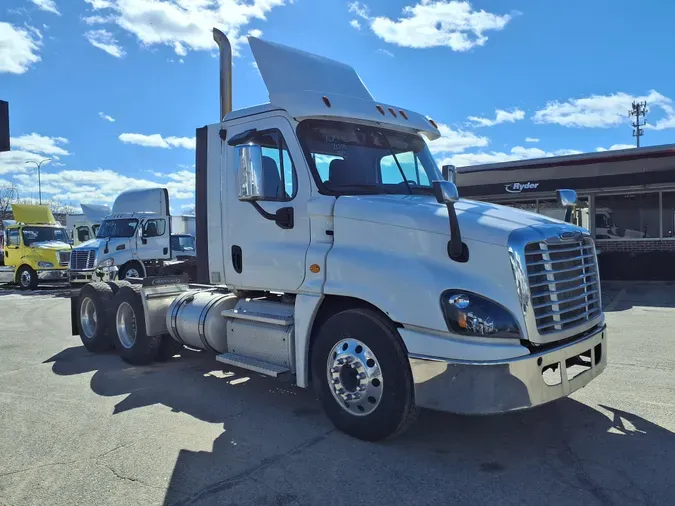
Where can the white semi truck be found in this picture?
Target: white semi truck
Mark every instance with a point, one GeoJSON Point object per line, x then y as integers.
{"type": "Point", "coordinates": [333, 254]}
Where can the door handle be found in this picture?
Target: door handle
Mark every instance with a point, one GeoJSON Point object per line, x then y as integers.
{"type": "Point", "coordinates": [237, 259]}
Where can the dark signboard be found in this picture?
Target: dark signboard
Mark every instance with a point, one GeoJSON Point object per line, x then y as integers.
{"type": "Point", "coordinates": [4, 126]}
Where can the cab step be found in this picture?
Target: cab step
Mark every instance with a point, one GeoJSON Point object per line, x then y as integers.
{"type": "Point", "coordinates": [282, 320]}
{"type": "Point", "coordinates": [253, 364]}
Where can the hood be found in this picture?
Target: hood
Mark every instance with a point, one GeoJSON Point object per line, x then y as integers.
{"type": "Point", "coordinates": [478, 221]}
{"type": "Point", "coordinates": [30, 213]}
{"type": "Point", "coordinates": [91, 243]}
{"type": "Point", "coordinates": [51, 245]}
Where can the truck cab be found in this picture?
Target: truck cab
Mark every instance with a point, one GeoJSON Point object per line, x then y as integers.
{"type": "Point", "coordinates": [132, 241]}
{"type": "Point", "coordinates": [332, 253]}
{"type": "Point", "coordinates": [36, 248]}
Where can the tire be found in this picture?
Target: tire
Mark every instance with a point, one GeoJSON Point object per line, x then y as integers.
{"type": "Point", "coordinates": [168, 348]}
{"type": "Point", "coordinates": [386, 405]}
{"type": "Point", "coordinates": [116, 285]}
{"type": "Point", "coordinates": [131, 266]}
{"type": "Point", "coordinates": [94, 311]}
{"type": "Point", "coordinates": [130, 338]}
{"type": "Point", "coordinates": [27, 278]}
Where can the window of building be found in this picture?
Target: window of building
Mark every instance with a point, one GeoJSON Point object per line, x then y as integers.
{"type": "Point", "coordinates": [523, 205]}
{"type": "Point", "coordinates": [154, 228]}
{"type": "Point", "coordinates": [628, 216]}
{"type": "Point", "coordinates": [552, 209]}
{"type": "Point", "coordinates": [668, 214]}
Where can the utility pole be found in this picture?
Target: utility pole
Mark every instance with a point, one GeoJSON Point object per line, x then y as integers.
{"type": "Point", "coordinates": [638, 109]}
{"type": "Point", "coordinates": [38, 168]}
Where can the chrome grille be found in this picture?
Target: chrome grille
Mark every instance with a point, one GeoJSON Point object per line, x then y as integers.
{"type": "Point", "coordinates": [82, 259]}
{"type": "Point", "coordinates": [564, 284]}
{"type": "Point", "coordinates": [64, 258]}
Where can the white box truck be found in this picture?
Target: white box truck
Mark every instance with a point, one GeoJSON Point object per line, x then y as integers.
{"type": "Point", "coordinates": [333, 255]}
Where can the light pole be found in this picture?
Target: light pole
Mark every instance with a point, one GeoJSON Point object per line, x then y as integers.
{"type": "Point", "coordinates": [38, 165]}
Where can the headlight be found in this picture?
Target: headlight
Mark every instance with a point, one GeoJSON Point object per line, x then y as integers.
{"type": "Point", "coordinates": [472, 315]}
{"type": "Point", "coordinates": [45, 265]}
{"type": "Point", "coordinates": [107, 263]}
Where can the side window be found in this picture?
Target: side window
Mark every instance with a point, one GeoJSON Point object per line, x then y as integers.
{"type": "Point", "coordinates": [154, 228]}
{"type": "Point", "coordinates": [82, 234]}
{"type": "Point", "coordinates": [280, 182]}
{"type": "Point", "coordinates": [13, 237]}
{"type": "Point", "coordinates": [412, 168]}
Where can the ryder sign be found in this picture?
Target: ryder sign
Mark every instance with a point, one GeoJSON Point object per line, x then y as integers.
{"type": "Point", "coordinates": [519, 187]}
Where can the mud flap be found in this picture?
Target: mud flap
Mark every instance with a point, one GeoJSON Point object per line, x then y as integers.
{"type": "Point", "coordinates": [74, 299]}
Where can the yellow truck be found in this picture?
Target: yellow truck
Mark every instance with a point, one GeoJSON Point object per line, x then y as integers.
{"type": "Point", "coordinates": [37, 248]}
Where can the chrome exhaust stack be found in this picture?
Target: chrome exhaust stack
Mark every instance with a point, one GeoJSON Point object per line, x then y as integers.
{"type": "Point", "coordinates": [225, 50]}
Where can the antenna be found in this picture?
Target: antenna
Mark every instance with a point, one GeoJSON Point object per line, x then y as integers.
{"type": "Point", "coordinates": [638, 109]}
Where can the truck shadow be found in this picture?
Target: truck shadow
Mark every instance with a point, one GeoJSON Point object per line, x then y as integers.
{"type": "Point", "coordinates": [623, 295]}
{"type": "Point", "coordinates": [61, 291]}
{"type": "Point", "coordinates": [559, 453]}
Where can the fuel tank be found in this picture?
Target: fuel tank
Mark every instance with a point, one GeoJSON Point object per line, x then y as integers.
{"type": "Point", "coordinates": [194, 319]}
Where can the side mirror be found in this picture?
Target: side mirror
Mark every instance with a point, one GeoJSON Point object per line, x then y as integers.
{"type": "Point", "coordinates": [568, 200]}
{"type": "Point", "coordinates": [446, 193]}
{"type": "Point", "coordinates": [250, 172]}
{"type": "Point", "coordinates": [449, 173]}
{"type": "Point", "coordinates": [4, 126]}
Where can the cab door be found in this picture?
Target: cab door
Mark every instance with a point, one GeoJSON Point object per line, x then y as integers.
{"type": "Point", "coordinates": [259, 252]}
{"type": "Point", "coordinates": [13, 247]}
{"type": "Point", "coordinates": [154, 242]}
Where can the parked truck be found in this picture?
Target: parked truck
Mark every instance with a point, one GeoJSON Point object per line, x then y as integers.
{"type": "Point", "coordinates": [84, 227]}
{"type": "Point", "coordinates": [36, 248]}
{"type": "Point", "coordinates": [332, 254]}
{"type": "Point", "coordinates": [183, 232]}
{"type": "Point", "coordinates": [132, 241]}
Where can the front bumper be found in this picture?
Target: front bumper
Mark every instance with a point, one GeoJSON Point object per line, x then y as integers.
{"type": "Point", "coordinates": [470, 387]}
{"type": "Point", "coordinates": [53, 275]}
{"type": "Point", "coordinates": [92, 275]}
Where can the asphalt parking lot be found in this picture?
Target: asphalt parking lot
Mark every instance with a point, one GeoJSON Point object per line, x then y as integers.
{"type": "Point", "coordinates": [77, 428]}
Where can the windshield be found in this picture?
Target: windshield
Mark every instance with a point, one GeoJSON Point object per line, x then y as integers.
{"type": "Point", "coordinates": [33, 235]}
{"type": "Point", "coordinates": [182, 243]}
{"type": "Point", "coordinates": [117, 228]}
{"type": "Point", "coordinates": [355, 159]}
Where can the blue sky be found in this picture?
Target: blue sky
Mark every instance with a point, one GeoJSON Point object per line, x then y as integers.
{"type": "Point", "coordinates": [113, 90]}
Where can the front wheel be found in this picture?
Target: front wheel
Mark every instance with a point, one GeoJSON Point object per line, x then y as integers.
{"type": "Point", "coordinates": [132, 270]}
{"type": "Point", "coordinates": [27, 278]}
{"type": "Point", "coordinates": [361, 375]}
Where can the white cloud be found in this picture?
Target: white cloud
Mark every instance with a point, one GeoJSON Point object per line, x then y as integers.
{"type": "Point", "coordinates": [105, 41]}
{"type": "Point", "coordinates": [615, 147]}
{"type": "Point", "coordinates": [184, 24]}
{"type": "Point", "coordinates": [47, 5]}
{"type": "Point", "coordinates": [157, 141]}
{"type": "Point", "coordinates": [603, 111]}
{"type": "Point", "coordinates": [101, 185]}
{"type": "Point", "coordinates": [456, 141]}
{"type": "Point", "coordinates": [18, 48]}
{"type": "Point", "coordinates": [14, 162]}
{"type": "Point", "coordinates": [434, 23]}
{"type": "Point", "coordinates": [385, 52]}
{"type": "Point", "coordinates": [531, 139]}
{"type": "Point", "coordinates": [359, 10]}
{"type": "Point", "coordinates": [355, 24]}
{"type": "Point", "coordinates": [501, 116]}
{"type": "Point", "coordinates": [98, 20]}
{"type": "Point", "coordinates": [40, 144]}
{"type": "Point", "coordinates": [516, 153]}
{"type": "Point", "coordinates": [106, 117]}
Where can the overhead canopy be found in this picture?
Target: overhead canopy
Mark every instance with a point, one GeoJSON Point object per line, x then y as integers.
{"type": "Point", "coordinates": [95, 212]}
{"type": "Point", "coordinates": [298, 81]}
{"type": "Point", "coordinates": [31, 213]}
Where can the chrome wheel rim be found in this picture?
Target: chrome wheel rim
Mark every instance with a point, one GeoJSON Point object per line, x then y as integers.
{"type": "Point", "coordinates": [25, 278]}
{"type": "Point", "coordinates": [88, 318]}
{"type": "Point", "coordinates": [355, 377]}
{"type": "Point", "coordinates": [126, 325]}
{"type": "Point", "coordinates": [132, 272]}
